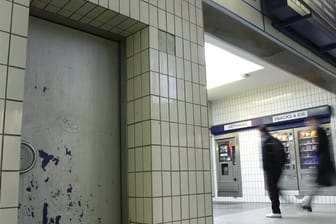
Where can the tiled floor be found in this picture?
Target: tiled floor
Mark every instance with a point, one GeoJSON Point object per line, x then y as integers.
{"type": "Point", "coordinates": [250, 213]}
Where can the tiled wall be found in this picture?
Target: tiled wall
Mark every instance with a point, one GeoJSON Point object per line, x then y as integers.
{"type": "Point", "coordinates": [169, 170]}
{"type": "Point", "coordinates": [13, 39]}
{"type": "Point", "coordinates": [278, 98]}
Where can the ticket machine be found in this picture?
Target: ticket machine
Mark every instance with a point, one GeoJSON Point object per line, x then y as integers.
{"type": "Point", "coordinates": [228, 165]}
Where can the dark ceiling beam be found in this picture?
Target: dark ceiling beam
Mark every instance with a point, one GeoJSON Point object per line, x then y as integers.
{"type": "Point", "coordinates": [327, 48]}
{"type": "Point", "coordinates": [292, 20]}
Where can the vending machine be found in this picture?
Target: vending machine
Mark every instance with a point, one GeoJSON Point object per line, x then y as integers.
{"type": "Point", "coordinates": [228, 165]}
{"type": "Point", "coordinates": [289, 179]}
{"type": "Point", "coordinates": [306, 142]}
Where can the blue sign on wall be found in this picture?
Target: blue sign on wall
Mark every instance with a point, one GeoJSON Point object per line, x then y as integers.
{"type": "Point", "coordinates": [292, 119]}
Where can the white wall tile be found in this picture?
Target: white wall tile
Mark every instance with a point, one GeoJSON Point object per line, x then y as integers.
{"type": "Point", "coordinates": [178, 7]}
{"type": "Point", "coordinates": [131, 209]}
{"type": "Point", "coordinates": [179, 48]}
{"type": "Point", "coordinates": [180, 89]}
{"type": "Point", "coordinates": [179, 68]}
{"type": "Point", "coordinates": [190, 136]}
{"type": "Point", "coordinates": [146, 133]}
{"type": "Point", "coordinates": [190, 114]}
{"type": "Point", "coordinates": [5, 15]}
{"type": "Point", "coordinates": [131, 185]}
{"type": "Point", "coordinates": [153, 16]}
{"type": "Point", "coordinates": [3, 78]}
{"type": "Point", "coordinates": [197, 115]}
{"type": "Point", "coordinates": [176, 205]}
{"type": "Point", "coordinates": [162, 16]}
{"type": "Point", "coordinates": [184, 183]}
{"type": "Point", "coordinates": [9, 190]}
{"type": "Point", "coordinates": [165, 152]}
{"type": "Point", "coordinates": [185, 10]}
{"type": "Point", "coordinates": [144, 12]}
{"type": "Point", "coordinates": [135, 9]}
{"type": "Point", "coordinates": [199, 182]}
{"type": "Point", "coordinates": [155, 83]}
{"type": "Point", "coordinates": [193, 206]}
{"type": "Point", "coordinates": [185, 207]}
{"type": "Point", "coordinates": [192, 166]}
{"type": "Point", "coordinates": [157, 186]}
{"type": "Point", "coordinates": [139, 209]}
{"type": "Point", "coordinates": [182, 135]}
{"type": "Point", "coordinates": [20, 22]}
{"type": "Point", "coordinates": [154, 60]}
{"type": "Point", "coordinates": [163, 63]}
{"type": "Point", "coordinates": [153, 37]}
{"type": "Point", "coordinates": [155, 107]}
{"type": "Point", "coordinates": [174, 134]}
{"type": "Point", "coordinates": [130, 136]}
{"type": "Point", "coordinates": [166, 183]}
{"type": "Point", "coordinates": [13, 117]}
{"type": "Point", "coordinates": [145, 61]}
{"type": "Point", "coordinates": [4, 38]}
{"type": "Point", "coordinates": [11, 153]}
{"type": "Point", "coordinates": [187, 70]}
{"type": "Point", "coordinates": [17, 55]}
{"type": "Point", "coordinates": [156, 158]}
{"type": "Point", "coordinates": [138, 134]}
{"type": "Point", "coordinates": [181, 106]}
{"type": "Point", "coordinates": [167, 212]}
{"type": "Point", "coordinates": [178, 27]}
{"type": "Point", "coordinates": [124, 7]}
{"type": "Point", "coordinates": [164, 108]}
{"type": "Point", "coordinates": [188, 92]}
{"type": "Point", "coordinates": [175, 162]}
{"type": "Point", "coordinates": [9, 215]}
{"type": "Point", "coordinates": [200, 205]}
{"type": "Point", "coordinates": [137, 64]}
{"type": "Point", "coordinates": [173, 117]}
{"type": "Point", "coordinates": [137, 87]}
{"type": "Point", "coordinates": [172, 88]}
{"type": "Point", "coordinates": [131, 160]}
{"type": "Point", "coordinates": [165, 133]}
{"type": "Point", "coordinates": [170, 23]}
{"type": "Point", "coordinates": [196, 94]}
{"type": "Point", "coordinates": [146, 108]}
{"type": "Point", "coordinates": [164, 85]}
{"type": "Point", "coordinates": [148, 209]}
{"type": "Point", "coordinates": [157, 210]}
{"type": "Point", "coordinates": [186, 50]}
{"type": "Point", "coordinates": [171, 65]}
{"type": "Point", "coordinates": [156, 132]}
{"type": "Point", "coordinates": [130, 67]}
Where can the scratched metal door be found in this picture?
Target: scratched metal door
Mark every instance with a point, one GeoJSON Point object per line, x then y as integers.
{"type": "Point", "coordinates": [71, 115]}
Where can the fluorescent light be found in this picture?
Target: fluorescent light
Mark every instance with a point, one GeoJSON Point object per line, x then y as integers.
{"type": "Point", "coordinates": [223, 67]}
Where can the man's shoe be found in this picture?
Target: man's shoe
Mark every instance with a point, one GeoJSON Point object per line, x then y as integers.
{"type": "Point", "coordinates": [274, 215]}
{"type": "Point", "coordinates": [307, 208]}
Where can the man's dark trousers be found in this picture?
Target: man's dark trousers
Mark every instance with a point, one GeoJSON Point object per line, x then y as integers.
{"type": "Point", "coordinates": [273, 190]}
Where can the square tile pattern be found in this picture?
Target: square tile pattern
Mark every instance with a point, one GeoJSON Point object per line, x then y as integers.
{"type": "Point", "coordinates": [167, 124]}
{"type": "Point", "coordinates": [278, 98]}
{"type": "Point", "coordinates": [13, 42]}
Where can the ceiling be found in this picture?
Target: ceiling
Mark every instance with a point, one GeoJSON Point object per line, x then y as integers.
{"type": "Point", "coordinates": [264, 77]}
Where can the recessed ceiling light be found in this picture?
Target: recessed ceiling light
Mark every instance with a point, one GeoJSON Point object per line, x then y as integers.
{"type": "Point", "coordinates": [223, 67]}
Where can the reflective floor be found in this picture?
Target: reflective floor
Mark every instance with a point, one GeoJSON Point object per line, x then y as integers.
{"type": "Point", "coordinates": [250, 213]}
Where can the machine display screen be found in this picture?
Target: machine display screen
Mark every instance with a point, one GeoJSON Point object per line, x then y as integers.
{"type": "Point", "coordinates": [225, 151]}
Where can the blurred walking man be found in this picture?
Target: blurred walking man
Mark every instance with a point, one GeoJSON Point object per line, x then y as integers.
{"type": "Point", "coordinates": [273, 157]}
{"type": "Point", "coordinates": [325, 170]}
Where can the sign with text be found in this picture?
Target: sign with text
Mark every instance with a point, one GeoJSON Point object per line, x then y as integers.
{"type": "Point", "coordinates": [290, 116]}
{"type": "Point", "coordinates": [238, 125]}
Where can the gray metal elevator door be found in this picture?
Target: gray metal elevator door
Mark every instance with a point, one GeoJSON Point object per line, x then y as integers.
{"type": "Point", "coordinates": [71, 115]}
